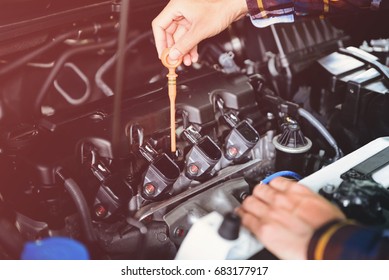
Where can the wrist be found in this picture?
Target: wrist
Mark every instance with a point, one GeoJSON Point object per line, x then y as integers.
{"type": "Point", "coordinates": [253, 7]}
{"type": "Point", "coordinates": [241, 8]}
{"type": "Point", "coordinates": [317, 248]}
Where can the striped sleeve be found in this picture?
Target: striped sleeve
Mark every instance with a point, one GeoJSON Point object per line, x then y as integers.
{"type": "Point", "coordinates": [273, 11]}
{"type": "Point", "coordinates": [345, 240]}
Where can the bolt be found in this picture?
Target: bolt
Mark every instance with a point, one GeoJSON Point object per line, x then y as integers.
{"type": "Point", "coordinates": [193, 169]}
{"type": "Point", "coordinates": [243, 196]}
{"type": "Point", "coordinates": [100, 211]}
{"type": "Point", "coordinates": [329, 188]}
{"type": "Point", "coordinates": [149, 189]}
{"type": "Point", "coordinates": [179, 232]}
{"type": "Point", "coordinates": [162, 237]}
{"type": "Point", "coordinates": [232, 151]}
{"type": "Point", "coordinates": [270, 116]}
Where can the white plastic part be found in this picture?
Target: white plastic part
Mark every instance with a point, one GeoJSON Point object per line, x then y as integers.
{"type": "Point", "coordinates": [204, 243]}
{"type": "Point", "coordinates": [330, 175]}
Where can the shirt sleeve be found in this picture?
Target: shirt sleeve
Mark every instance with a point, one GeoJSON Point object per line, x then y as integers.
{"type": "Point", "coordinates": [345, 240]}
{"type": "Point", "coordinates": [265, 12]}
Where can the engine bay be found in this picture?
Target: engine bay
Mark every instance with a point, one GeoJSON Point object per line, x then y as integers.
{"type": "Point", "coordinates": [288, 97]}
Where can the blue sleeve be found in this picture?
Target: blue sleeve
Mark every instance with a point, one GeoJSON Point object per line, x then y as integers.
{"type": "Point", "coordinates": [345, 240]}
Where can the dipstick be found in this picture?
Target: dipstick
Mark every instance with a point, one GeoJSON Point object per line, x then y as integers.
{"type": "Point", "coordinates": [172, 90]}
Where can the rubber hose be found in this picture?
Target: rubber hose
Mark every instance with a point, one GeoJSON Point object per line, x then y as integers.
{"type": "Point", "coordinates": [76, 194]}
{"type": "Point", "coordinates": [322, 130]}
{"type": "Point", "coordinates": [10, 239]}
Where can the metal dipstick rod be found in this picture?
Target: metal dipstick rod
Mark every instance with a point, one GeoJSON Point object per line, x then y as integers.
{"type": "Point", "coordinates": [172, 90]}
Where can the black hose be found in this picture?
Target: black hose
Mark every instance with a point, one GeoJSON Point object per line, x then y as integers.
{"type": "Point", "coordinates": [54, 42]}
{"type": "Point", "coordinates": [322, 130]}
{"type": "Point", "coordinates": [79, 200]}
{"type": "Point", "coordinates": [10, 239]}
{"type": "Point", "coordinates": [119, 75]}
{"type": "Point", "coordinates": [143, 232]}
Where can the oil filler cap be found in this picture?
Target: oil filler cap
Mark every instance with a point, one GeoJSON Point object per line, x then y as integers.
{"type": "Point", "coordinates": [55, 248]}
{"type": "Point", "coordinates": [229, 229]}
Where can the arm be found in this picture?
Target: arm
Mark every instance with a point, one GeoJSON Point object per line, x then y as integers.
{"type": "Point", "coordinates": [345, 240]}
{"type": "Point", "coordinates": [266, 8]}
{"type": "Point", "coordinates": [265, 12]}
{"type": "Point", "coordinates": [183, 24]}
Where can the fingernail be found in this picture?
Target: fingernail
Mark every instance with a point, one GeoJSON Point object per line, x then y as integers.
{"type": "Point", "coordinates": [187, 61]}
{"type": "Point", "coordinates": [174, 54]}
{"type": "Point", "coordinates": [195, 58]}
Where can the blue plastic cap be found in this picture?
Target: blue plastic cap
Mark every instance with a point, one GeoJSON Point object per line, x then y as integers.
{"type": "Point", "coordinates": [55, 248]}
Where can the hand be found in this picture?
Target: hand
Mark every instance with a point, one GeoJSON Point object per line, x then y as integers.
{"type": "Point", "coordinates": [284, 215]}
{"type": "Point", "coordinates": [184, 23]}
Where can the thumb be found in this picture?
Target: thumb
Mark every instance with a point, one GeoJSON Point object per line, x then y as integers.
{"type": "Point", "coordinates": [184, 45]}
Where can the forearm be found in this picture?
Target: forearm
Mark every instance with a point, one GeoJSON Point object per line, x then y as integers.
{"type": "Point", "coordinates": [347, 240]}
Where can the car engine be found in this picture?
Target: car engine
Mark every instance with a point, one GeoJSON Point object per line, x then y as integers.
{"type": "Point", "coordinates": [78, 160]}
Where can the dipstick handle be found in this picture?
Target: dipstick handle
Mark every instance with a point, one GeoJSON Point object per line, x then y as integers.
{"type": "Point", "coordinates": [172, 90]}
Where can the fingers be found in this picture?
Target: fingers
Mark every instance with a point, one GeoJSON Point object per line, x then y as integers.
{"type": "Point", "coordinates": [250, 221]}
{"type": "Point", "coordinates": [194, 54]}
{"type": "Point", "coordinates": [160, 25]}
{"type": "Point", "coordinates": [286, 237]}
{"type": "Point", "coordinates": [186, 44]}
{"type": "Point", "coordinates": [282, 193]}
{"type": "Point", "coordinates": [160, 37]}
{"type": "Point", "coordinates": [292, 195]}
{"type": "Point", "coordinates": [281, 183]}
{"type": "Point", "coordinates": [170, 31]}
{"type": "Point", "coordinates": [257, 217]}
{"type": "Point", "coordinates": [274, 197]}
{"type": "Point", "coordinates": [285, 195]}
{"type": "Point", "coordinates": [283, 216]}
{"type": "Point", "coordinates": [187, 60]}
{"type": "Point", "coordinates": [193, 22]}
{"type": "Point", "coordinates": [255, 206]}
{"type": "Point", "coordinates": [173, 34]}
{"type": "Point", "coordinates": [262, 210]}
{"type": "Point", "coordinates": [290, 185]}
{"type": "Point", "coordinates": [191, 57]}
